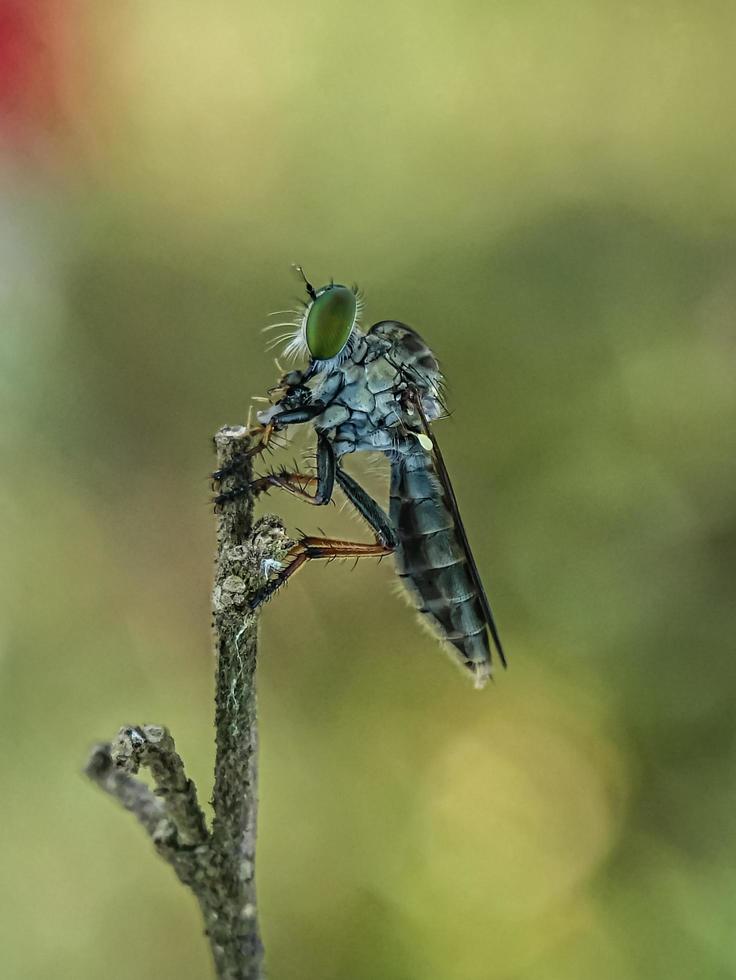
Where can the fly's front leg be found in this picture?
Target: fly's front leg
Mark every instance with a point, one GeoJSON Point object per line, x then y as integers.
{"type": "Point", "coordinates": [263, 434]}
{"type": "Point", "coordinates": [260, 436]}
{"type": "Point", "coordinates": [310, 548]}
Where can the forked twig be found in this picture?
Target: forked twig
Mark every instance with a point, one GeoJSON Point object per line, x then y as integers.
{"type": "Point", "coordinates": [218, 864]}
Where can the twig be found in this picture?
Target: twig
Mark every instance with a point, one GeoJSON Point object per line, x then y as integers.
{"type": "Point", "coordinates": [218, 865]}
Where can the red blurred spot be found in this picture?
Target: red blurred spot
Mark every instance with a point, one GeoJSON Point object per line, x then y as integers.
{"type": "Point", "coordinates": [30, 65]}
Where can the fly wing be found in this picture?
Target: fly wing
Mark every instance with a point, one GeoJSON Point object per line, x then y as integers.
{"type": "Point", "coordinates": [451, 500]}
{"type": "Point", "coordinates": [415, 362]}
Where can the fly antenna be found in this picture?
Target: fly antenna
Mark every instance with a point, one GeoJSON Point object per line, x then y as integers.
{"type": "Point", "coordinates": [307, 283]}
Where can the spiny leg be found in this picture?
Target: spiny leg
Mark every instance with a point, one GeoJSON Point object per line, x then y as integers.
{"type": "Point", "coordinates": [367, 508]}
{"type": "Point", "coordinates": [309, 549]}
{"type": "Point", "coordinates": [313, 548]}
{"type": "Point", "coordinates": [295, 483]}
{"type": "Point", "coordinates": [262, 435]}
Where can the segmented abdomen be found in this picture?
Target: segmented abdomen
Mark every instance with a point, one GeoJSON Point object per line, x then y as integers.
{"type": "Point", "coordinates": [432, 563]}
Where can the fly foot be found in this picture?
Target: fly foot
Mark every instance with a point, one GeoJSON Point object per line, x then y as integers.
{"type": "Point", "coordinates": [228, 496]}
{"type": "Point", "coordinates": [255, 487]}
{"type": "Point", "coordinates": [234, 468]}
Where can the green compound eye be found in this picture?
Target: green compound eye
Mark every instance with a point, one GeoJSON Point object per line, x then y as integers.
{"type": "Point", "coordinates": [330, 321]}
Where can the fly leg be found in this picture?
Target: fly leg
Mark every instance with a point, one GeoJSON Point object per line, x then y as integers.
{"type": "Point", "coordinates": [368, 508]}
{"type": "Point", "coordinates": [262, 434]}
{"type": "Point", "coordinates": [311, 548]}
{"type": "Point", "coordinates": [295, 483]}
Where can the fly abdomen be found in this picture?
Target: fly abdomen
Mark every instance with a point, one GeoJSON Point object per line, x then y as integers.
{"type": "Point", "coordinates": [433, 563]}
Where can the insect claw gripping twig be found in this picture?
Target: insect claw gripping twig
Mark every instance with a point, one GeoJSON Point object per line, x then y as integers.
{"type": "Point", "coordinates": [235, 466]}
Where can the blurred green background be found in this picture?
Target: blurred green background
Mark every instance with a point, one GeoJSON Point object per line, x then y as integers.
{"type": "Point", "coordinates": [546, 190]}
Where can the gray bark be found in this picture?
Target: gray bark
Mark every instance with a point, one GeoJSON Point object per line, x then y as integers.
{"type": "Point", "coordinates": [217, 864]}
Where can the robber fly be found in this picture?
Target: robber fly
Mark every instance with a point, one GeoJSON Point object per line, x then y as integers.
{"type": "Point", "coordinates": [378, 391]}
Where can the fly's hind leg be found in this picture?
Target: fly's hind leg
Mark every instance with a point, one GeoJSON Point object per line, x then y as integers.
{"type": "Point", "coordinates": [367, 508]}
{"type": "Point", "coordinates": [311, 548]}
